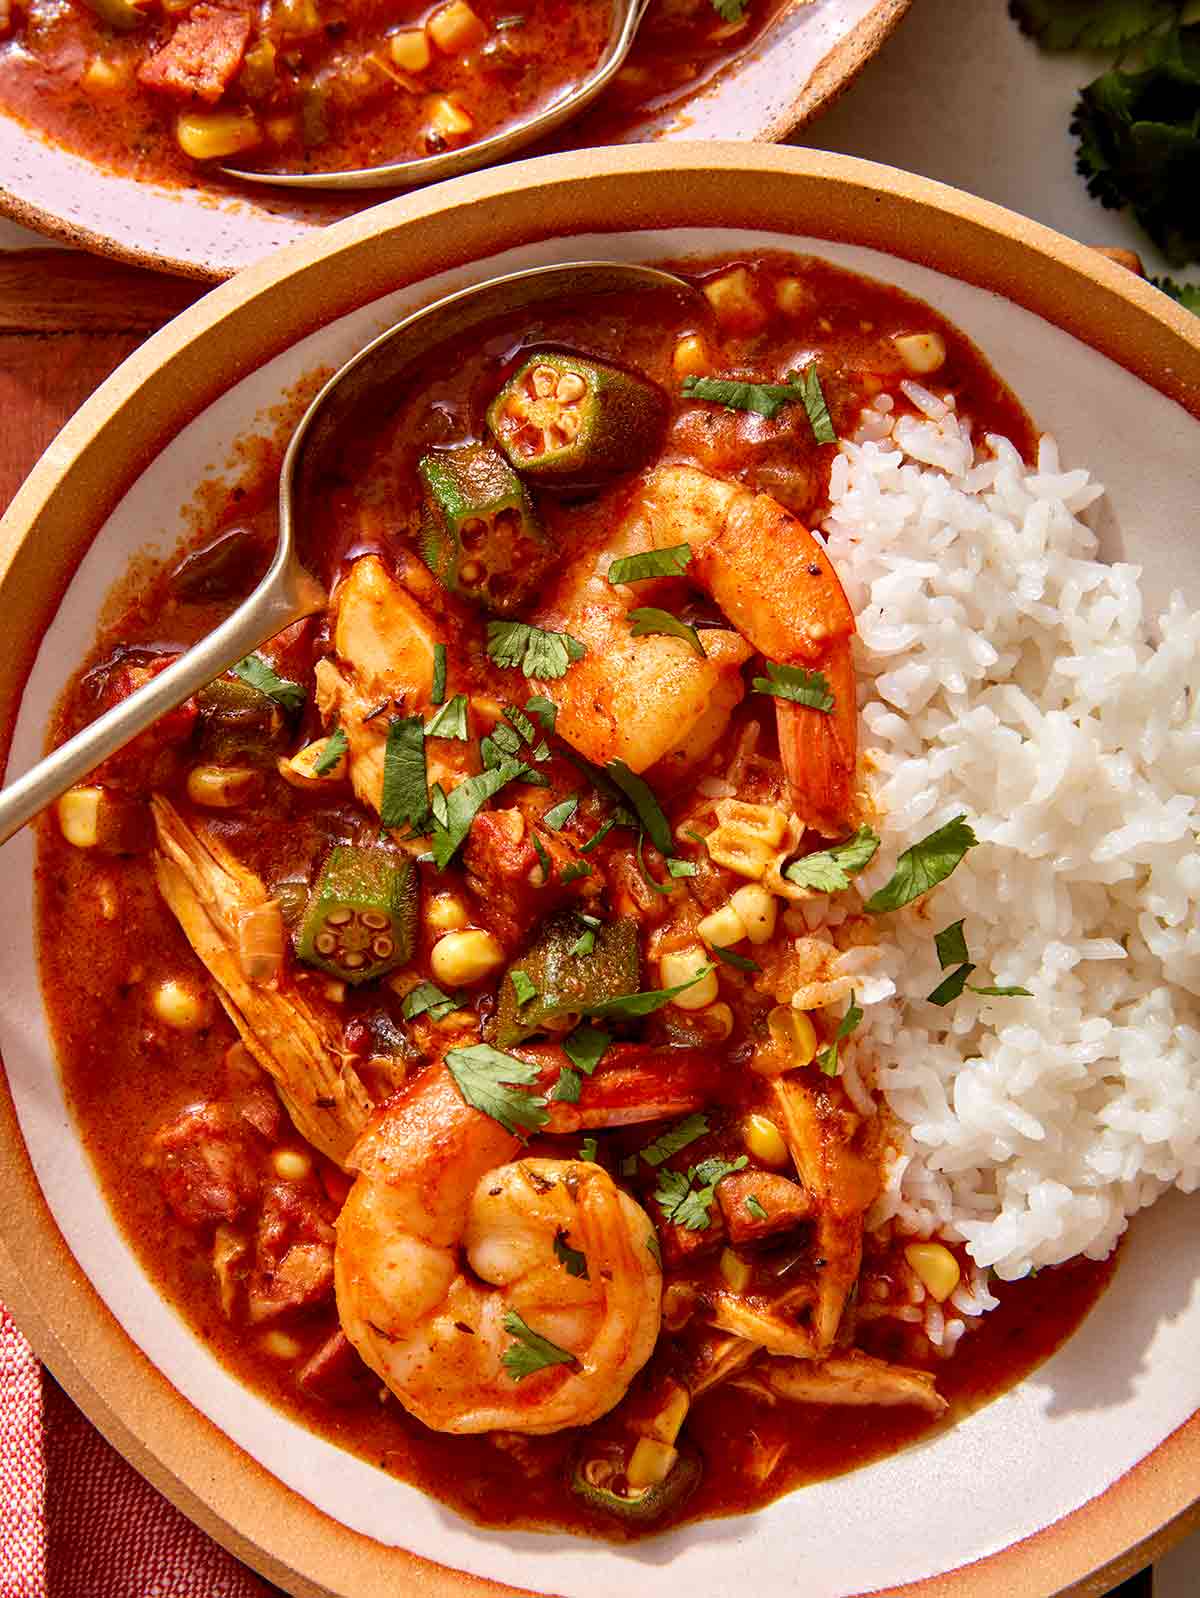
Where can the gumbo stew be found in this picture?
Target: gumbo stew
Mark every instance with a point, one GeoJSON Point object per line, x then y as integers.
{"type": "Point", "coordinates": [465, 1043]}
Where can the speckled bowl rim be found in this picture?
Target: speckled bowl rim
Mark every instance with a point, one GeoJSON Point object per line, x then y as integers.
{"type": "Point", "coordinates": [827, 83]}
{"type": "Point", "coordinates": [244, 323]}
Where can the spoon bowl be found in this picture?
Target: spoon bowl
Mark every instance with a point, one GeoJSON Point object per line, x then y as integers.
{"type": "Point", "coordinates": [289, 591]}
{"type": "Point", "coordinates": [407, 174]}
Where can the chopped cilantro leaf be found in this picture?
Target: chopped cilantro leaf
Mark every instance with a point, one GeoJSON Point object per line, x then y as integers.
{"type": "Point", "coordinates": [739, 394]}
{"type": "Point", "coordinates": [558, 815]}
{"type": "Point", "coordinates": [641, 797]}
{"type": "Point", "coordinates": [951, 945]}
{"type": "Point", "coordinates": [335, 747]}
{"type": "Point", "coordinates": [815, 407]}
{"type": "Point", "coordinates": [544, 860]}
{"type": "Point", "coordinates": [682, 868]}
{"type": "Point", "coordinates": [648, 619]}
{"type": "Point", "coordinates": [924, 865]}
{"type": "Point", "coordinates": [427, 999]}
{"type": "Point", "coordinates": [544, 709]}
{"type": "Point", "coordinates": [675, 1138]}
{"type": "Point", "coordinates": [568, 1087]}
{"type": "Point", "coordinates": [588, 1149]}
{"type": "Point", "coordinates": [576, 868]}
{"type": "Point", "coordinates": [585, 1047]}
{"type": "Point", "coordinates": [827, 1059]}
{"type": "Point", "coordinates": [538, 653]}
{"type": "Point", "coordinates": [830, 870]}
{"type": "Point", "coordinates": [523, 725]}
{"type": "Point", "coordinates": [755, 1208]}
{"type": "Point", "coordinates": [523, 986]}
{"type": "Point", "coordinates": [655, 887]}
{"type": "Point", "coordinates": [573, 1259]}
{"type": "Point", "coordinates": [687, 1204]}
{"type": "Point", "coordinates": [949, 988]}
{"type": "Point", "coordinates": [655, 1248]}
{"type": "Point", "coordinates": [529, 1352]}
{"type": "Point", "coordinates": [405, 797]}
{"type": "Point", "coordinates": [795, 683]}
{"type": "Point", "coordinates": [492, 1082]}
{"type": "Point", "coordinates": [630, 1005]}
{"type": "Point", "coordinates": [253, 669]}
{"type": "Point", "coordinates": [464, 803]}
{"type": "Point", "coordinates": [584, 943]}
{"type": "Point", "coordinates": [437, 694]}
{"type": "Point", "coordinates": [450, 721]}
{"type": "Point", "coordinates": [1001, 993]}
{"type": "Point", "coordinates": [669, 562]}
{"type": "Point", "coordinates": [739, 962]}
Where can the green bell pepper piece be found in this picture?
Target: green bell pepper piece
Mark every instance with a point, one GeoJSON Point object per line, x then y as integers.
{"type": "Point", "coordinates": [480, 535]}
{"type": "Point", "coordinates": [240, 725]}
{"type": "Point", "coordinates": [599, 1479]}
{"type": "Point", "coordinates": [565, 983]}
{"type": "Point", "coordinates": [362, 915]}
{"type": "Point", "coordinates": [566, 419]}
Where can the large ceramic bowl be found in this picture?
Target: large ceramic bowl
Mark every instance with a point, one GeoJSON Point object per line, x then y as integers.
{"type": "Point", "coordinates": [1038, 1493]}
{"type": "Point", "coordinates": [808, 55]}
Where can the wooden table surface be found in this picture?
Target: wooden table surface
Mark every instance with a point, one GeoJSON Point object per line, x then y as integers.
{"type": "Point", "coordinates": [66, 321]}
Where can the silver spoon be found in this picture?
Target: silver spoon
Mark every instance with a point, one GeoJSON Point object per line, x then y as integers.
{"type": "Point", "coordinates": [627, 15]}
{"type": "Point", "coordinates": [289, 591]}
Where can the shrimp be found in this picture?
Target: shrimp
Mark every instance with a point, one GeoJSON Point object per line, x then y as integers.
{"type": "Point", "coordinates": [447, 1232]}
{"type": "Point", "coordinates": [385, 642]}
{"type": "Point", "coordinates": [235, 928]}
{"type": "Point", "coordinates": [773, 582]}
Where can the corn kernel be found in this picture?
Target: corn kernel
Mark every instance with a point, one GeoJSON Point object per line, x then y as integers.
{"type": "Point", "coordinates": [178, 1006]}
{"type": "Point", "coordinates": [792, 296]}
{"type": "Point", "coordinates": [735, 1270]}
{"type": "Point", "coordinates": [757, 910]}
{"type": "Point", "coordinates": [922, 353]}
{"type": "Point", "coordinates": [222, 787]}
{"type": "Point", "coordinates": [215, 135]}
{"type": "Point", "coordinates": [335, 991]}
{"type": "Point", "coordinates": [410, 50]}
{"type": "Point", "coordinates": [280, 1345]}
{"type": "Point", "coordinates": [449, 121]}
{"type": "Point", "coordinates": [282, 130]}
{"type": "Point", "coordinates": [79, 816]}
{"type": "Point", "coordinates": [650, 1463]}
{"type": "Point", "coordinates": [792, 1032]}
{"type": "Point", "coordinates": [300, 771]}
{"type": "Point", "coordinates": [765, 1141]}
{"type": "Point", "coordinates": [445, 912]}
{"type": "Point", "coordinates": [735, 300]}
{"type": "Point", "coordinates": [460, 959]}
{"type": "Point", "coordinates": [722, 927]}
{"type": "Point", "coordinates": [668, 1423]}
{"type": "Point", "coordinates": [691, 358]}
{"type": "Point", "coordinates": [455, 28]}
{"type": "Point", "coordinates": [291, 1165]}
{"type": "Point", "coordinates": [105, 77]}
{"type": "Point", "coordinates": [681, 965]}
{"type": "Point", "coordinates": [937, 1268]}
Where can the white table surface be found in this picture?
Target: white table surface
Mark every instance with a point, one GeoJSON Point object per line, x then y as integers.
{"type": "Point", "coordinates": [959, 95]}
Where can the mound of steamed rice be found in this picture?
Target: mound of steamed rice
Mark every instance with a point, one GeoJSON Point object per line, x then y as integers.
{"type": "Point", "coordinates": [1007, 673]}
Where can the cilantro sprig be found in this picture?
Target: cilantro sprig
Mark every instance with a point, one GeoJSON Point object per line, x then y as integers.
{"type": "Point", "coordinates": [537, 652]}
{"type": "Point", "coordinates": [810, 688]}
{"type": "Point", "coordinates": [827, 1058]}
{"type": "Point", "coordinates": [669, 562]}
{"type": "Point", "coordinates": [260, 674]}
{"type": "Point", "coordinates": [493, 1082]}
{"type": "Point", "coordinates": [687, 1197]}
{"type": "Point", "coordinates": [830, 870]}
{"type": "Point", "coordinates": [336, 746]}
{"type": "Point", "coordinates": [923, 865]}
{"type": "Point", "coordinates": [951, 946]}
{"type": "Point", "coordinates": [530, 1352]}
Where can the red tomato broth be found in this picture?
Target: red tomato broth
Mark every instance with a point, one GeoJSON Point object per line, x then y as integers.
{"type": "Point", "coordinates": [127, 1076]}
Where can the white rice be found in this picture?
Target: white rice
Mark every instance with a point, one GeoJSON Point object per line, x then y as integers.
{"type": "Point", "coordinates": [1007, 673]}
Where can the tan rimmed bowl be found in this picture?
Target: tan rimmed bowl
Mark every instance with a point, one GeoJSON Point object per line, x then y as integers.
{"type": "Point", "coordinates": [1062, 1485]}
{"type": "Point", "coordinates": [808, 55]}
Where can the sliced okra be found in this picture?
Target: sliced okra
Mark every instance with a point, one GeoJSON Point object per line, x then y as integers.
{"type": "Point", "coordinates": [361, 918]}
{"type": "Point", "coordinates": [480, 535]}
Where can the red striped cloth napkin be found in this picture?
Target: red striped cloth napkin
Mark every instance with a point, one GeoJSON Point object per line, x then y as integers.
{"type": "Point", "coordinates": [76, 1521]}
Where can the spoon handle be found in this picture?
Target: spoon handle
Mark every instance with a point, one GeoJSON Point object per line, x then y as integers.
{"type": "Point", "coordinates": [273, 607]}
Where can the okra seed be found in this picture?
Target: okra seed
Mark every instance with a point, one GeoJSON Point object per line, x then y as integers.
{"type": "Point", "coordinates": [338, 918]}
{"type": "Point", "coordinates": [326, 943]}
{"type": "Point", "coordinates": [373, 919]}
{"type": "Point", "coordinates": [382, 948]}
{"type": "Point", "coordinates": [545, 380]}
{"type": "Point", "coordinates": [570, 387]}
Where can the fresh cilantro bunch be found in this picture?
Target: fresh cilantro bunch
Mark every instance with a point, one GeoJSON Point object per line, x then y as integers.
{"type": "Point", "coordinates": [1137, 125]}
